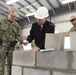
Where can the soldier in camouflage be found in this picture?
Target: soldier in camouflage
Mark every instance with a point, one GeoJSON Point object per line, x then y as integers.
{"type": "Point", "coordinates": [73, 21]}
{"type": "Point", "coordinates": [9, 33]}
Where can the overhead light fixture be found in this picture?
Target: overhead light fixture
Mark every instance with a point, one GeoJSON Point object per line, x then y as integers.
{"type": "Point", "coordinates": [67, 1]}
{"type": "Point", "coordinates": [11, 1]}
{"type": "Point", "coordinates": [30, 14]}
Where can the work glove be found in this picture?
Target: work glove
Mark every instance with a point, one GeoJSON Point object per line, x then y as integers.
{"type": "Point", "coordinates": [13, 43]}
{"type": "Point", "coordinates": [1, 41]}
{"type": "Point", "coordinates": [21, 41]}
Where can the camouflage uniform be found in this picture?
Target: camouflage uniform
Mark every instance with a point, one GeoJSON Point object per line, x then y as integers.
{"type": "Point", "coordinates": [72, 29]}
{"type": "Point", "coordinates": [9, 31]}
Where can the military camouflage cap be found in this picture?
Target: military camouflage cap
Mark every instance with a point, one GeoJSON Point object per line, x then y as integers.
{"type": "Point", "coordinates": [72, 18]}
{"type": "Point", "coordinates": [13, 11]}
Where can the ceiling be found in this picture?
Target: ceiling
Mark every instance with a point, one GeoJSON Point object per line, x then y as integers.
{"type": "Point", "coordinates": [30, 6]}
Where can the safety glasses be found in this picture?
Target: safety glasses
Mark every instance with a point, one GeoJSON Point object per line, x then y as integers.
{"type": "Point", "coordinates": [73, 19]}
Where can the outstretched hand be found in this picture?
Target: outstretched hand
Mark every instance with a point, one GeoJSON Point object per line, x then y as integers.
{"type": "Point", "coordinates": [35, 48]}
{"type": "Point", "coordinates": [25, 42]}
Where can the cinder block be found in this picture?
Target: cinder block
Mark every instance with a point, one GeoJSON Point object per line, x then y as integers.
{"type": "Point", "coordinates": [74, 61]}
{"type": "Point", "coordinates": [16, 70]}
{"type": "Point", "coordinates": [53, 59]}
{"type": "Point", "coordinates": [73, 41]}
{"type": "Point", "coordinates": [24, 58]}
{"type": "Point", "coordinates": [63, 73]}
{"type": "Point", "coordinates": [29, 71]}
{"type": "Point", "coordinates": [55, 41]}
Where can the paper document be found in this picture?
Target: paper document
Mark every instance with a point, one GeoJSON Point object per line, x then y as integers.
{"type": "Point", "coordinates": [27, 47]}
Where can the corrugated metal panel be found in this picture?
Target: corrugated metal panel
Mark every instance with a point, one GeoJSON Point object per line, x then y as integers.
{"type": "Point", "coordinates": [63, 27]}
{"type": "Point", "coordinates": [54, 3]}
{"type": "Point", "coordinates": [63, 17]}
{"type": "Point", "coordinates": [45, 3]}
{"type": "Point", "coordinates": [62, 22]}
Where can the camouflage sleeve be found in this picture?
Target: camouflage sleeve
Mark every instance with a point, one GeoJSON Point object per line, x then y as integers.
{"type": "Point", "coordinates": [1, 20]}
{"type": "Point", "coordinates": [18, 33]}
{"type": "Point", "coordinates": [0, 26]}
{"type": "Point", "coordinates": [0, 23]}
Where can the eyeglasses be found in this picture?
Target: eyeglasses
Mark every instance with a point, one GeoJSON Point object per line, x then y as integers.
{"type": "Point", "coordinates": [73, 19]}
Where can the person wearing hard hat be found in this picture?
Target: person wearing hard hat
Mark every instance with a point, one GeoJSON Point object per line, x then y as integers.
{"type": "Point", "coordinates": [9, 35]}
{"type": "Point", "coordinates": [73, 21]}
{"type": "Point", "coordinates": [40, 28]}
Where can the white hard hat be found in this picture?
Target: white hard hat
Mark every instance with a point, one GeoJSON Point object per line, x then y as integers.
{"type": "Point", "coordinates": [41, 13]}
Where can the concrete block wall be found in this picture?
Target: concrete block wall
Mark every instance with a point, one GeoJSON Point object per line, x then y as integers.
{"type": "Point", "coordinates": [52, 60]}
{"type": "Point", "coordinates": [55, 41]}
{"type": "Point", "coordinates": [55, 62]}
{"type": "Point", "coordinates": [46, 63]}
{"type": "Point", "coordinates": [24, 58]}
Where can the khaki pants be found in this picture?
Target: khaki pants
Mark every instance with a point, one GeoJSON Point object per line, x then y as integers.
{"type": "Point", "coordinates": [6, 52]}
